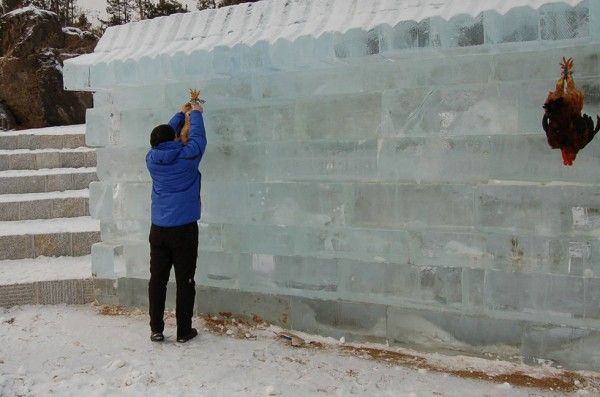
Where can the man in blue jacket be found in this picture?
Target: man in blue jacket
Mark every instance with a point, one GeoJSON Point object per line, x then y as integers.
{"type": "Point", "coordinates": [175, 212]}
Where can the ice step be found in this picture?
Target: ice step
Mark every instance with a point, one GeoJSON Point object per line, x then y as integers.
{"type": "Point", "coordinates": [44, 138]}
{"type": "Point", "coordinates": [48, 237]}
{"type": "Point", "coordinates": [46, 180]}
{"type": "Point", "coordinates": [23, 159]}
{"type": "Point", "coordinates": [46, 280]}
{"type": "Point", "coordinates": [67, 204]}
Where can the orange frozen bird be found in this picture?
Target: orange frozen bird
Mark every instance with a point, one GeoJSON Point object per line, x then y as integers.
{"type": "Point", "coordinates": [566, 129]}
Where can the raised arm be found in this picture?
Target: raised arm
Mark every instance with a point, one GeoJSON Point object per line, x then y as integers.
{"type": "Point", "coordinates": [178, 118]}
{"type": "Point", "coordinates": [194, 149]}
{"type": "Point", "coordinates": [177, 122]}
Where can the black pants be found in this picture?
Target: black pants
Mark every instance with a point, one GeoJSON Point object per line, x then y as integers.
{"type": "Point", "coordinates": [177, 246]}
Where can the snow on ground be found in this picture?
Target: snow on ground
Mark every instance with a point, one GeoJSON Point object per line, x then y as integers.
{"type": "Point", "coordinates": [46, 171]}
{"type": "Point", "coordinates": [53, 150]}
{"type": "Point", "coordinates": [10, 198]}
{"type": "Point", "coordinates": [45, 268]}
{"type": "Point", "coordinates": [60, 130]}
{"type": "Point", "coordinates": [74, 350]}
{"type": "Point", "coordinates": [54, 225]}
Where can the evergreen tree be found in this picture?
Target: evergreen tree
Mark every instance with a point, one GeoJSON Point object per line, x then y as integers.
{"type": "Point", "coordinates": [206, 4]}
{"type": "Point", "coordinates": [82, 22]}
{"type": "Point", "coordinates": [162, 8]}
{"type": "Point", "coordinates": [119, 12]}
{"type": "Point", "coordinates": [225, 3]}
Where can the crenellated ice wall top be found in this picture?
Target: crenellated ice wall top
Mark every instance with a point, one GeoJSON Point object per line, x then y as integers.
{"type": "Point", "coordinates": [298, 34]}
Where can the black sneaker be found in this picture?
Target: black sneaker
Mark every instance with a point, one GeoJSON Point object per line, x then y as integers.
{"type": "Point", "coordinates": [157, 337]}
{"type": "Point", "coordinates": [193, 333]}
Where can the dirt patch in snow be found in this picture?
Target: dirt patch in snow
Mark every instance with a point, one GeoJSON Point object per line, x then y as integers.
{"type": "Point", "coordinates": [386, 356]}
{"type": "Point", "coordinates": [566, 381]}
{"type": "Point", "coordinates": [113, 310]}
{"type": "Point", "coordinates": [225, 324]}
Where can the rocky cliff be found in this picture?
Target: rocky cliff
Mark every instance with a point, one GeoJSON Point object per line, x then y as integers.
{"type": "Point", "coordinates": [33, 46]}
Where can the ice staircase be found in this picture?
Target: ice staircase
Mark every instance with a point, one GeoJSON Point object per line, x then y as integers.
{"type": "Point", "coordinates": [46, 232]}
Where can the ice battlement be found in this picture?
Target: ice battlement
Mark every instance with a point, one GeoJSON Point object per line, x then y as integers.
{"type": "Point", "coordinates": [300, 34]}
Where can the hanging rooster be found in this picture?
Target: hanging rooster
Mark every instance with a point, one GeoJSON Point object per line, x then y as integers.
{"type": "Point", "coordinates": [566, 129]}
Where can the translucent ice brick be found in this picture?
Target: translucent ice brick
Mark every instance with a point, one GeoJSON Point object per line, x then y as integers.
{"type": "Point", "coordinates": [560, 21]}
{"type": "Point", "coordinates": [520, 24]}
{"type": "Point", "coordinates": [411, 34]}
{"type": "Point", "coordinates": [122, 164]}
{"type": "Point", "coordinates": [101, 200]}
{"type": "Point", "coordinates": [107, 260]}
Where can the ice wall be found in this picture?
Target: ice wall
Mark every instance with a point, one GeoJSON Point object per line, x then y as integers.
{"type": "Point", "coordinates": [384, 153]}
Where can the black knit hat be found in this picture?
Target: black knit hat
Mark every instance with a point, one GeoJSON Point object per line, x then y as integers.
{"type": "Point", "coordinates": [161, 133]}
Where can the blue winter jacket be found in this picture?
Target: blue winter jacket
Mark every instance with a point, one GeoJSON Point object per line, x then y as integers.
{"type": "Point", "coordinates": [175, 176]}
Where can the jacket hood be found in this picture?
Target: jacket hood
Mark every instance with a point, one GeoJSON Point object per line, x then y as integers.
{"type": "Point", "coordinates": [165, 153]}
